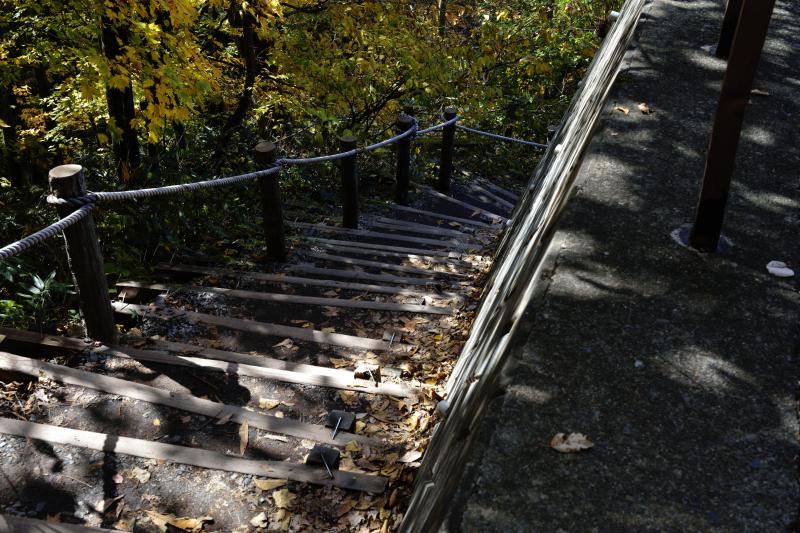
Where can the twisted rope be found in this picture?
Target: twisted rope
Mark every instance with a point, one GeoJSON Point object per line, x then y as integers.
{"type": "Point", "coordinates": [349, 153]}
{"type": "Point", "coordinates": [439, 126]}
{"type": "Point", "coordinates": [502, 137]}
{"type": "Point", "coordinates": [94, 197]}
{"type": "Point", "coordinates": [52, 230]}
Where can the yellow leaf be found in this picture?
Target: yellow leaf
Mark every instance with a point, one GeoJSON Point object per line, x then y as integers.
{"type": "Point", "coordinates": [352, 446]}
{"type": "Point", "coordinates": [269, 484]}
{"type": "Point", "coordinates": [244, 437]}
{"type": "Point", "coordinates": [156, 422]}
{"type": "Point", "coordinates": [265, 403]}
{"type": "Point", "coordinates": [570, 443]}
{"type": "Point", "coordinates": [339, 363]}
{"type": "Point", "coordinates": [283, 499]}
{"type": "Point", "coordinates": [360, 426]}
{"type": "Point", "coordinates": [328, 330]}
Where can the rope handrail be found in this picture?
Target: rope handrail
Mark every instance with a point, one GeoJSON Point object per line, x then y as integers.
{"type": "Point", "coordinates": [342, 155]}
{"type": "Point", "coordinates": [502, 137]}
{"type": "Point", "coordinates": [85, 203]}
{"type": "Point", "coordinates": [52, 230]}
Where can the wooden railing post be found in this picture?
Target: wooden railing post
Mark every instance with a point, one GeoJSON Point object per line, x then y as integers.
{"type": "Point", "coordinates": [403, 160]}
{"type": "Point", "coordinates": [85, 258]}
{"type": "Point", "coordinates": [265, 154]}
{"type": "Point", "coordinates": [448, 142]}
{"type": "Point", "coordinates": [349, 184]}
{"type": "Point", "coordinates": [734, 95]}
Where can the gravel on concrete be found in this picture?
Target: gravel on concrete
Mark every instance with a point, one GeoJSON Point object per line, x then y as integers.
{"type": "Point", "coordinates": [681, 367]}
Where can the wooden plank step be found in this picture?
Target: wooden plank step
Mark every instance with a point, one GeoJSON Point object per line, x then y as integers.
{"type": "Point", "coordinates": [18, 524]}
{"type": "Point", "coordinates": [293, 280]}
{"type": "Point", "coordinates": [358, 275]}
{"type": "Point", "coordinates": [190, 355]}
{"type": "Point", "coordinates": [441, 243]}
{"type": "Point", "coordinates": [380, 265]}
{"type": "Point", "coordinates": [183, 402]}
{"type": "Point", "coordinates": [260, 328]}
{"type": "Point", "coordinates": [191, 456]}
{"type": "Point", "coordinates": [442, 216]}
{"type": "Point", "coordinates": [490, 197]}
{"type": "Point", "coordinates": [414, 227]}
{"type": "Point", "coordinates": [444, 257]}
{"type": "Point", "coordinates": [293, 298]}
{"type": "Point", "coordinates": [474, 208]}
{"type": "Point", "coordinates": [343, 247]}
{"type": "Point", "coordinates": [511, 196]}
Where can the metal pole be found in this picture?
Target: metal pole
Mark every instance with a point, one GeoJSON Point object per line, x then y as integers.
{"type": "Point", "coordinates": [729, 23]}
{"type": "Point", "coordinates": [736, 86]}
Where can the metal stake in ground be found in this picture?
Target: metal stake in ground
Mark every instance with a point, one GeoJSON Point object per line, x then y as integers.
{"type": "Point", "coordinates": [84, 256]}
{"type": "Point", "coordinates": [265, 155]}
{"type": "Point", "coordinates": [404, 123]}
{"type": "Point", "coordinates": [736, 86]}
{"type": "Point", "coordinates": [349, 184]}
{"type": "Point", "coordinates": [729, 23]}
{"type": "Point", "coordinates": [446, 162]}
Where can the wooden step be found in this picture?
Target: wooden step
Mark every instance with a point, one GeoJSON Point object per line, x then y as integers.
{"type": "Point", "coordinates": [293, 280]}
{"type": "Point", "coordinates": [292, 298]}
{"type": "Point", "coordinates": [345, 247]}
{"type": "Point", "coordinates": [183, 402]}
{"type": "Point", "coordinates": [474, 208]}
{"type": "Point", "coordinates": [510, 196]}
{"type": "Point", "coordinates": [191, 456]}
{"type": "Point", "coordinates": [442, 216]}
{"type": "Point", "coordinates": [380, 265]}
{"type": "Point", "coordinates": [439, 243]}
{"type": "Point", "coordinates": [489, 197]}
{"type": "Point", "coordinates": [358, 275]}
{"type": "Point", "coordinates": [260, 328]}
{"type": "Point", "coordinates": [18, 524]}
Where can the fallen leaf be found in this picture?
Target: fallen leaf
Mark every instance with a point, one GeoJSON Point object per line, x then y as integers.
{"type": "Point", "coordinates": [339, 363]}
{"type": "Point", "coordinates": [285, 343]}
{"type": "Point", "coordinates": [117, 478]}
{"type": "Point", "coordinates": [644, 108]}
{"type": "Point", "coordinates": [570, 443]}
{"type": "Point", "coordinates": [410, 456]}
{"type": "Point", "coordinates": [283, 499]}
{"type": "Point", "coordinates": [139, 474]}
{"type": "Point", "coordinates": [352, 447]}
{"type": "Point", "coordinates": [259, 520]}
{"type": "Point", "coordinates": [157, 422]}
{"type": "Point", "coordinates": [244, 437]}
{"type": "Point", "coordinates": [266, 403]}
{"type": "Point", "coordinates": [622, 109]}
{"type": "Point", "coordinates": [328, 330]}
{"type": "Point", "coordinates": [193, 525]}
{"type": "Point", "coordinates": [759, 92]}
{"type": "Point", "coordinates": [330, 311]}
{"type": "Point", "coordinates": [269, 484]}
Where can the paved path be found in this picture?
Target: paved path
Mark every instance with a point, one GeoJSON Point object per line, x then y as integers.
{"type": "Point", "coordinates": [682, 368]}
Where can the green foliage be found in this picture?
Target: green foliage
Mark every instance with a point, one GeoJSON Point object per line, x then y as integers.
{"type": "Point", "coordinates": [40, 301]}
{"type": "Point", "coordinates": [203, 80]}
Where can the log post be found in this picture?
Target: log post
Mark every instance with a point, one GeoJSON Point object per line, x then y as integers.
{"type": "Point", "coordinates": [403, 160]}
{"type": "Point", "coordinates": [349, 184]}
{"type": "Point", "coordinates": [265, 154]}
{"type": "Point", "coordinates": [448, 142]}
{"type": "Point", "coordinates": [734, 96]}
{"type": "Point", "coordinates": [84, 256]}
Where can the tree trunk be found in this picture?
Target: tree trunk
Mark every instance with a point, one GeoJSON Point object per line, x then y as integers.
{"type": "Point", "coordinates": [121, 108]}
{"type": "Point", "coordinates": [442, 17]}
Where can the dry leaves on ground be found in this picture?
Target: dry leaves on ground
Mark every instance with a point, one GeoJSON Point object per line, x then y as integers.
{"type": "Point", "coordinates": [570, 443]}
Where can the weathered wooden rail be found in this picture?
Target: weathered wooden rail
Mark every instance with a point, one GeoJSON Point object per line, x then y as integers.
{"type": "Point", "coordinates": [474, 381]}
